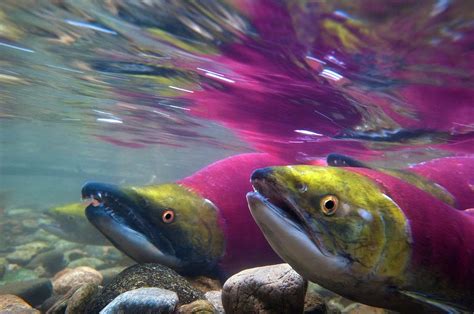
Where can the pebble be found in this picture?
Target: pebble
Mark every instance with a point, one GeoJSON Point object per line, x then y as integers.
{"type": "Point", "coordinates": [145, 275]}
{"type": "Point", "coordinates": [87, 261]}
{"type": "Point", "coordinates": [34, 291]}
{"type": "Point", "coordinates": [215, 297]}
{"type": "Point", "coordinates": [24, 253]}
{"type": "Point", "coordinates": [68, 278]}
{"type": "Point", "coordinates": [12, 304]}
{"type": "Point", "coordinates": [52, 261]}
{"type": "Point", "coordinates": [197, 307]}
{"type": "Point", "coordinates": [78, 301]}
{"type": "Point", "coordinates": [143, 300]}
{"type": "Point", "coordinates": [268, 289]}
{"type": "Point", "coordinates": [205, 283]}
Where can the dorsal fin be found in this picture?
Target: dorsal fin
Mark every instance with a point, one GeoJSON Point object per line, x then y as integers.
{"type": "Point", "coordinates": [338, 160]}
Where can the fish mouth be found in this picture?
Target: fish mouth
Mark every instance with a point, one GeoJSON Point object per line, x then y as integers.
{"type": "Point", "coordinates": [118, 215]}
{"type": "Point", "coordinates": [278, 199]}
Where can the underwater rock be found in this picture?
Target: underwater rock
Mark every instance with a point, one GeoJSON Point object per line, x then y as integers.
{"type": "Point", "coordinates": [106, 252]}
{"type": "Point", "coordinates": [268, 289]}
{"type": "Point", "coordinates": [145, 275]}
{"type": "Point", "coordinates": [342, 305]}
{"type": "Point", "coordinates": [143, 300]}
{"type": "Point", "coordinates": [68, 278]}
{"type": "Point", "coordinates": [3, 266]}
{"type": "Point", "coordinates": [110, 273]}
{"type": "Point", "coordinates": [197, 307]}
{"type": "Point", "coordinates": [15, 273]}
{"type": "Point", "coordinates": [87, 261]}
{"type": "Point", "coordinates": [215, 297]}
{"type": "Point", "coordinates": [52, 261]}
{"type": "Point", "coordinates": [81, 297]}
{"type": "Point", "coordinates": [314, 303]}
{"type": "Point", "coordinates": [24, 253]}
{"type": "Point", "coordinates": [74, 254]}
{"type": "Point", "coordinates": [60, 304]}
{"type": "Point", "coordinates": [204, 283]}
{"type": "Point", "coordinates": [32, 291]}
{"type": "Point", "coordinates": [12, 304]}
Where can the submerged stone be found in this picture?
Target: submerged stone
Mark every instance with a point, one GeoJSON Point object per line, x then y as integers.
{"type": "Point", "coordinates": [143, 300]}
{"type": "Point", "coordinates": [12, 304]}
{"type": "Point", "coordinates": [32, 291]}
{"type": "Point", "coordinates": [145, 275]}
{"type": "Point", "coordinates": [268, 289]}
{"type": "Point", "coordinates": [197, 307]}
{"type": "Point", "coordinates": [68, 278]}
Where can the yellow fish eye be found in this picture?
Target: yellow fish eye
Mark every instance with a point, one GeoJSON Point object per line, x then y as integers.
{"type": "Point", "coordinates": [329, 204]}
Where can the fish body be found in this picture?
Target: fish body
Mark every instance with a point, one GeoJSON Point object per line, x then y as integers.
{"type": "Point", "coordinates": [371, 236]}
{"type": "Point", "coordinates": [197, 225]}
{"type": "Point", "coordinates": [71, 224]}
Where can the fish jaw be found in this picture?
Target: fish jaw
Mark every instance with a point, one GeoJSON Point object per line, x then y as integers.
{"type": "Point", "coordinates": [292, 243]}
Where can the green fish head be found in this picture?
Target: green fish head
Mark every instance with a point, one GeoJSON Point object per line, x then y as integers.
{"type": "Point", "coordinates": [332, 225]}
{"type": "Point", "coordinates": [166, 224]}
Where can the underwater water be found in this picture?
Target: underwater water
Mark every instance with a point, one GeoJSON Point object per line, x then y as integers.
{"type": "Point", "coordinates": [139, 93]}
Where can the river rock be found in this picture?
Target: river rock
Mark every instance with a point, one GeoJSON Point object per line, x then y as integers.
{"type": "Point", "coordinates": [143, 300]}
{"type": "Point", "coordinates": [68, 278]}
{"type": "Point", "coordinates": [205, 284]}
{"type": "Point", "coordinates": [81, 297]}
{"type": "Point", "coordinates": [145, 275]}
{"type": "Point", "coordinates": [110, 273]}
{"type": "Point", "coordinates": [314, 303]}
{"type": "Point", "coordinates": [3, 266]}
{"type": "Point", "coordinates": [215, 297]}
{"type": "Point", "coordinates": [197, 307]}
{"type": "Point", "coordinates": [52, 261]}
{"type": "Point", "coordinates": [268, 289]}
{"type": "Point", "coordinates": [32, 291]}
{"type": "Point", "coordinates": [87, 261]}
{"type": "Point", "coordinates": [15, 273]}
{"type": "Point", "coordinates": [24, 253]}
{"type": "Point", "coordinates": [12, 304]}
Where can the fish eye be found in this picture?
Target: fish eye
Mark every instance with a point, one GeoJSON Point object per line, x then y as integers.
{"type": "Point", "coordinates": [329, 204]}
{"type": "Point", "coordinates": [168, 216]}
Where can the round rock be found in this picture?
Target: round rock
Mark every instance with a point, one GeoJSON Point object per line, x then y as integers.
{"type": "Point", "coordinates": [143, 300]}
{"type": "Point", "coordinates": [12, 304]}
{"type": "Point", "coordinates": [145, 275]}
{"type": "Point", "coordinates": [269, 289]}
{"type": "Point", "coordinates": [197, 307]}
{"type": "Point", "coordinates": [215, 297]}
{"type": "Point", "coordinates": [68, 278]}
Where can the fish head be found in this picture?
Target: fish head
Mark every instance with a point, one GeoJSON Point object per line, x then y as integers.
{"type": "Point", "coordinates": [166, 224]}
{"type": "Point", "coordinates": [335, 227]}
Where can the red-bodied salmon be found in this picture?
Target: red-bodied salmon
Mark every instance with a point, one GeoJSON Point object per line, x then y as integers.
{"type": "Point", "coordinates": [372, 236]}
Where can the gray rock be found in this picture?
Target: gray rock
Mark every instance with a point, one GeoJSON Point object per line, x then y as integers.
{"type": "Point", "coordinates": [143, 300]}
{"type": "Point", "coordinates": [145, 275]}
{"type": "Point", "coordinates": [24, 253]}
{"type": "Point", "coordinates": [215, 297]}
{"type": "Point", "coordinates": [87, 261]}
{"type": "Point", "coordinates": [78, 301]}
{"type": "Point", "coordinates": [34, 291]}
{"type": "Point", "coordinates": [52, 261]}
{"type": "Point", "coordinates": [68, 278]}
{"type": "Point", "coordinates": [197, 307]}
{"type": "Point", "coordinates": [269, 289]}
{"type": "Point", "coordinates": [12, 304]}
{"type": "Point", "coordinates": [19, 274]}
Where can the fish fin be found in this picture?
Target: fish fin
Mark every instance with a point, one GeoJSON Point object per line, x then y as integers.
{"type": "Point", "coordinates": [432, 304]}
{"type": "Point", "coordinates": [339, 160]}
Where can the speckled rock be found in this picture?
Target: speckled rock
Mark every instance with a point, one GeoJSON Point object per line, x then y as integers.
{"type": "Point", "coordinates": [12, 304]}
{"type": "Point", "coordinates": [145, 275]}
{"type": "Point", "coordinates": [269, 289]}
{"type": "Point", "coordinates": [204, 283]}
{"type": "Point", "coordinates": [68, 278]}
{"type": "Point", "coordinates": [81, 297]}
{"type": "Point", "coordinates": [197, 307]}
{"type": "Point", "coordinates": [32, 291]}
{"type": "Point", "coordinates": [143, 300]}
{"type": "Point", "coordinates": [314, 303]}
{"type": "Point", "coordinates": [110, 273]}
{"type": "Point", "coordinates": [24, 253]}
{"type": "Point", "coordinates": [87, 261]}
{"type": "Point", "coordinates": [215, 297]}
